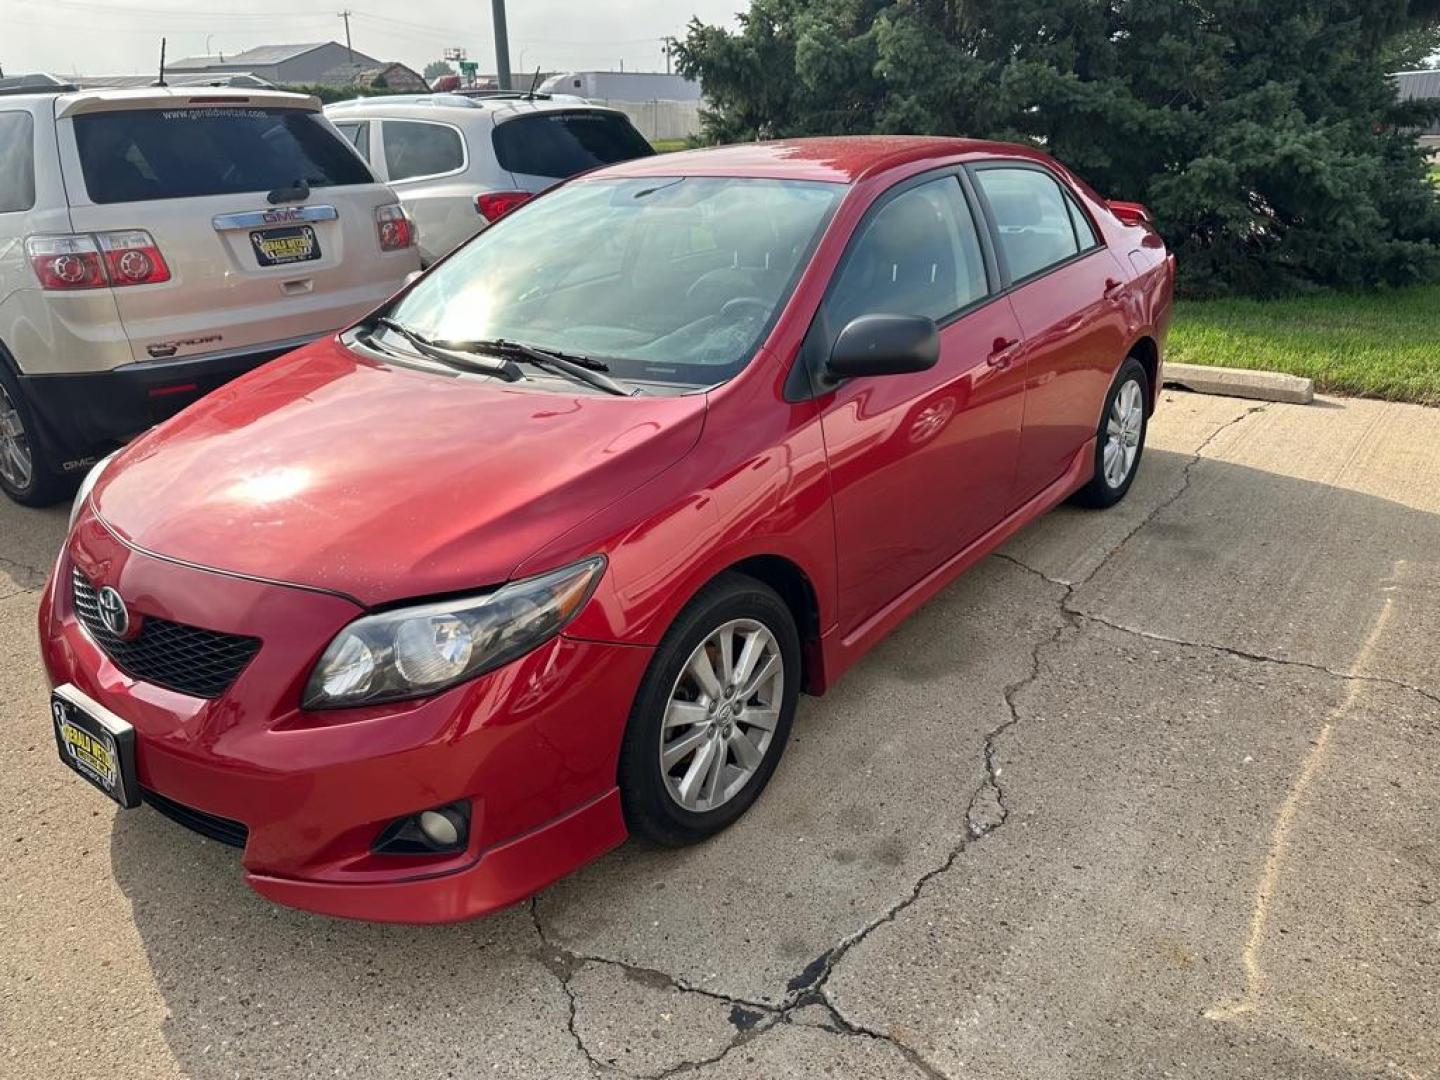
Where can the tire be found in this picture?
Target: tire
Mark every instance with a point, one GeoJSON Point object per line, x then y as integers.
{"type": "Point", "coordinates": [670, 806]}
{"type": "Point", "coordinates": [1124, 422]}
{"type": "Point", "coordinates": [27, 474]}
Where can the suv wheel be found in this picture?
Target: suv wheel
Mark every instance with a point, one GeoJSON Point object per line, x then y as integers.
{"type": "Point", "coordinates": [25, 473]}
{"type": "Point", "coordinates": [713, 713]}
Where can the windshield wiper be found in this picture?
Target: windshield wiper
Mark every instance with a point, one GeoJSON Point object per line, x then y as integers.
{"type": "Point", "coordinates": [457, 359]}
{"type": "Point", "coordinates": [580, 368]}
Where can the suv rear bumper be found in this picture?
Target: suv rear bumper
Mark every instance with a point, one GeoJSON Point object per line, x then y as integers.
{"type": "Point", "coordinates": [82, 416]}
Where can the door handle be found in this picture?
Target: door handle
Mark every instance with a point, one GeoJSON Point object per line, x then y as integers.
{"type": "Point", "coordinates": [1112, 288]}
{"type": "Point", "coordinates": [1003, 352]}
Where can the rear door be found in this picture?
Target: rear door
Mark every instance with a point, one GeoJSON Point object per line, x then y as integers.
{"type": "Point", "coordinates": [540, 147]}
{"type": "Point", "coordinates": [253, 260]}
{"type": "Point", "coordinates": [1066, 289]}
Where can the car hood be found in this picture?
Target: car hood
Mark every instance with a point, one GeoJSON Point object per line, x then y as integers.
{"type": "Point", "coordinates": [382, 482]}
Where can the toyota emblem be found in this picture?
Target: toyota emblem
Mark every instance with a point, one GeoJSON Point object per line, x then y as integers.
{"type": "Point", "coordinates": [113, 612]}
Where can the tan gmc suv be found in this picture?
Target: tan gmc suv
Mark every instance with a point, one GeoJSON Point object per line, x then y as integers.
{"type": "Point", "coordinates": [155, 243]}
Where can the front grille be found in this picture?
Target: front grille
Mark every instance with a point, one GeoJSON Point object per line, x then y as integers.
{"type": "Point", "coordinates": [187, 659]}
{"type": "Point", "coordinates": [222, 830]}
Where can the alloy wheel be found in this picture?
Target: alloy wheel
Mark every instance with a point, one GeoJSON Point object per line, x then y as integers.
{"type": "Point", "coordinates": [721, 715]}
{"type": "Point", "coordinates": [1123, 428]}
{"type": "Point", "coordinates": [17, 466]}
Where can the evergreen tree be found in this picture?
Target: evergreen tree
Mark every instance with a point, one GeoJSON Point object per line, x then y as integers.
{"type": "Point", "coordinates": [1264, 134]}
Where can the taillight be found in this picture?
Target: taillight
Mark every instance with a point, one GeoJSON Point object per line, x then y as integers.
{"type": "Point", "coordinates": [496, 204]}
{"type": "Point", "coordinates": [66, 262]}
{"type": "Point", "coordinates": [395, 227]}
{"type": "Point", "coordinates": [84, 261]}
{"type": "Point", "coordinates": [132, 258]}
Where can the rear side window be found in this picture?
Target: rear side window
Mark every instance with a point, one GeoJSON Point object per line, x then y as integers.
{"type": "Point", "coordinates": [17, 162]}
{"type": "Point", "coordinates": [145, 154]}
{"type": "Point", "coordinates": [562, 143]}
{"type": "Point", "coordinates": [1036, 230]}
{"type": "Point", "coordinates": [414, 148]}
{"type": "Point", "coordinates": [358, 132]}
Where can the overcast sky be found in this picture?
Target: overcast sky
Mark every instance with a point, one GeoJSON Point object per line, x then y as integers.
{"type": "Point", "coordinates": [113, 37]}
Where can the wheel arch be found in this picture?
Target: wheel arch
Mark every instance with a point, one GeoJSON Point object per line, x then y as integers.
{"type": "Point", "coordinates": [1147, 351]}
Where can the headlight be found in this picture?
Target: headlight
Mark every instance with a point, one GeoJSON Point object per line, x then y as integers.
{"type": "Point", "coordinates": [412, 652]}
{"type": "Point", "coordinates": [88, 485]}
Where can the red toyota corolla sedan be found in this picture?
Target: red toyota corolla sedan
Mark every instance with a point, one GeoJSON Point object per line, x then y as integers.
{"type": "Point", "coordinates": [430, 613]}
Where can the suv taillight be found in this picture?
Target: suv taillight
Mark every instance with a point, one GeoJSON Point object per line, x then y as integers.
{"type": "Point", "coordinates": [132, 258]}
{"type": "Point", "coordinates": [93, 261]}
{"type": "Point", "coordinates": [396, 229]}
{"type": "Point", "coordinates": [496, 204]}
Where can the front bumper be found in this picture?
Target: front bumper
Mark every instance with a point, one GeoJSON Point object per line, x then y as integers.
{"type": "Point", "coordinates": [533, 746]}
{"type": "Point", "coordinates": [82, 416]}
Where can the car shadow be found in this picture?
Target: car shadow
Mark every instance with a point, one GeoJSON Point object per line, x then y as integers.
{"type": "Point", "coordinates": [1248, 559]}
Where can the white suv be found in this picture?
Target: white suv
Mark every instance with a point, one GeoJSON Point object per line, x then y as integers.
{"type": "Point", "coordinates": [459, 162]}
{"type": "Point", "coordinates": [155, 243]}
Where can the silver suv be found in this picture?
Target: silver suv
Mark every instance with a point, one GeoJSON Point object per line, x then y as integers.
{"type": "Point", "coordinates": [155, 243]}
{"type": "Point", "coordinates": [459, 162]}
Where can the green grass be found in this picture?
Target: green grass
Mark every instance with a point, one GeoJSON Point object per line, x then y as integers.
{"type": "Point", "coordinates": [1380, 344]}
{"type": "Point", "coordinates": [665, 146]}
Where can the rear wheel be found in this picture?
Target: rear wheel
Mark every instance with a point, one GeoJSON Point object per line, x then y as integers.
{"type": "Point", "coordinates": [713, 713]}
{"type": "Point", "coordinates": [25, 470]}
{"type": "Point", "coordinates": [1120, 440]}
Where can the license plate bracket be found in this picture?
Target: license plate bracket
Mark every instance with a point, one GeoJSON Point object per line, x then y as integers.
{"type": "Point", "coordinates": [284, 245]}
{"type": "Point", "coordinates": [96, 744]}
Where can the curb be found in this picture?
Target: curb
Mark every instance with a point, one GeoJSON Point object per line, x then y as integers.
{"type": "Point", "coordinates": [1235, 382]}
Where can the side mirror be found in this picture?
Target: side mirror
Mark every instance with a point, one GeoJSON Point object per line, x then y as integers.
{"type": "Point", "coordinates": [884, 345]}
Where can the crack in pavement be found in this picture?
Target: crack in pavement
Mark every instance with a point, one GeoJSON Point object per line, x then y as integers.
{"type": "Point", "coordinates": [750, 1018]}
{"type": "Point", "coordinates": [809, 987]}
{"type": "Point", "coordinates": [34, 577]}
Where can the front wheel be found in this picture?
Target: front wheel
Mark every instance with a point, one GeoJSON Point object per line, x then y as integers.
{"type": "Point", "coordinates": [713, 713]}
{"type": "Point", "coordinates": [1120, 440]}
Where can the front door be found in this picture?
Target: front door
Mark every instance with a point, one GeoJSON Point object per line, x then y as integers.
{"type": "Point", "coordinates": [921, 464]}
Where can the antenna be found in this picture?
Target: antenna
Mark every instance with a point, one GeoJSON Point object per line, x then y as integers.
{"type": "Point", "coordinates": [535, 82]}
{"type": "Point", "coordinates": [161, 80]}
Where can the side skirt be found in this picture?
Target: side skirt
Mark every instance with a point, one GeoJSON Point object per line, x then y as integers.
{"type": "Point", "coordinates": [841, 653]}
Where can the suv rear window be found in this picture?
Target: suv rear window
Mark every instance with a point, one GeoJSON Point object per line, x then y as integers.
{"type": "Point", "coordinates": [562, 143]}
{"type": "Point", "coordinates": [17, 162]}
{"type": "Point", "coordinates": [143, 154]}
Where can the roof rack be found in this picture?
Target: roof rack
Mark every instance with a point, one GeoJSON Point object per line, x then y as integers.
{"type": "Point", "coordinates": [37, 83]}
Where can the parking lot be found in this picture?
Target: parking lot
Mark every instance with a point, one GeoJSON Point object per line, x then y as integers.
{"type": "Point", "coordinates": [1153, 792]}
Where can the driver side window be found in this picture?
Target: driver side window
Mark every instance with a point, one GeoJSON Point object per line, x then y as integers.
{"type": "Point", "coordinates": [919, 255]}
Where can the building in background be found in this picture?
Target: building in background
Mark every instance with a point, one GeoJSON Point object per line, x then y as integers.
{"type": "Point", "coordinates": [324, 63]}
{"type": "Point", "coordinates": [662, 106]}
{"type": "Point", "coordinates": [1417, 86]}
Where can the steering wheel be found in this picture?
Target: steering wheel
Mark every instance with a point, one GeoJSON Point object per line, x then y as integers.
{"type": "Point", "coordinates": [735, 304]}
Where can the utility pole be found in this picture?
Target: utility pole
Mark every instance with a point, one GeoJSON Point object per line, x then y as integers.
{"type": "Point", "coordinates": [502, 45]}
{"type": "Point", "coordinates": [666, 44]}
{"type": "Point", "coordinates": [346, 16]}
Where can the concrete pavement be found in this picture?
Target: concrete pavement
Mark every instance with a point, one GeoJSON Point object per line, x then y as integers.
{"type": "Point", "coordinates": [1153, 792]}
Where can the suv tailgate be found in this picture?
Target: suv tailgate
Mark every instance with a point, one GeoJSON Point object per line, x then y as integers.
{"type": "Point", "coordinates": [197, 174]}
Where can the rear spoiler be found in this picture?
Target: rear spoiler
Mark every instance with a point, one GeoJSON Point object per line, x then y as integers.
{"type": "Point", "coordinates": [181, 97]}
{"type": "Point", "coordinates": [1131, 213]}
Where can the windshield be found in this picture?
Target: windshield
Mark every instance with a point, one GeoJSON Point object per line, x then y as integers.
{"type": "Point", "coordinates": [665, 279]}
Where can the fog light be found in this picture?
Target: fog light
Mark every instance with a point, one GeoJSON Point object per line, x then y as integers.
{"type": "Point", "coordinates": [440, 830]}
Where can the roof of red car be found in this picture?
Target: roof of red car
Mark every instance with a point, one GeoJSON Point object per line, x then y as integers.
{"type": "Point", "coordinates": [839, 159]}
